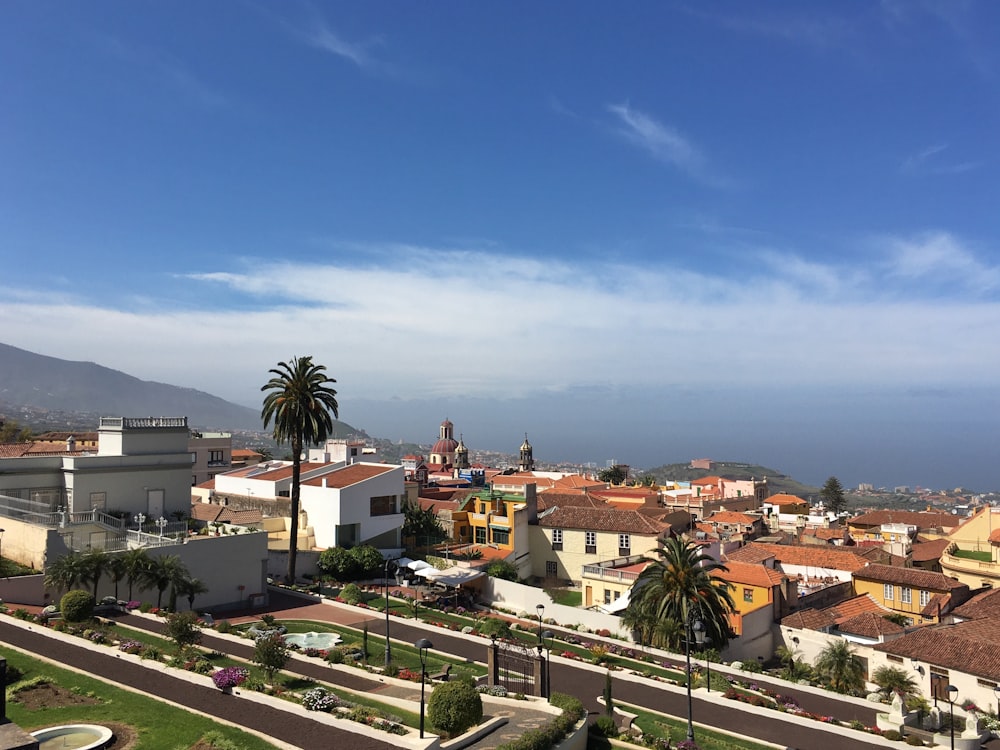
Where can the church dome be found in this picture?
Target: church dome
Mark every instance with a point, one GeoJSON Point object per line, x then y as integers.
{"type": "Point", "coordinates": [445, 446]}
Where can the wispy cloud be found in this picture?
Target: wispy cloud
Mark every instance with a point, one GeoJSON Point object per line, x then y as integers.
{"type": "Point", "coordinates": [930, 161]}
{"type": "Point", "coordinates": [664, 143]}
{"type": "Point", "coordinates": [917, 310]}
{"type": "Point", "coordinates": [811, 28]}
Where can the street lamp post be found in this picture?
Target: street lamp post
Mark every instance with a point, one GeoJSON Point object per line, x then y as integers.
{"type": "Point", "coordinates": [422, 645]}
{"type": "Point", "coordinates": [1, 556]}
{"type": "Point", "coordinates": [547, 635]}
{"type": "Point", "coordinates": [139, 521]}
{"type": "Point", "coordinates": [540, 609]}
{"type": "Point", "coordinates": [161, 523]}
{"type": "Point", "coordinates": [687, 655]}
{"type": "Point", "coordinates": [952, 690]}
{"type": "Point", "coordinates": [699, 637]}
{"type": "Point", "coordinates": [388, 648]}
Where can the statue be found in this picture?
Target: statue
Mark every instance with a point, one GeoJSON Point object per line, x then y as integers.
{"type": "Point", "coordinates": [971, 723]}
{"type": "Point", "coordinates": [897, 705]}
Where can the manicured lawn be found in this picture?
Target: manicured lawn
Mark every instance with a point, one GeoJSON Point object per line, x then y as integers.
{"type": "Point", "coordinates": [971, 554]}
{"type": "Point", "coordinates": [661, 725]}
{"type": "Point", "coordinates": [569, 597]}
{"type": "Point", "coordinates": [160, 726]}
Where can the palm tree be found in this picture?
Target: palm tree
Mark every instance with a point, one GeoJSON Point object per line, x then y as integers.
{"type": "Point", "coordinates": [190, 588]}
{"type": "Point", "coordinates": [164, 571]}
{"type": "Point", "coordinates": [136, 562]}
{"type": "Point", "coordinates": [95, 562]}
{"type": "Point", "coordinates": [300, 403]}
{"type": "Point", "coordinates": [794, 668]}
{"type": "Point", "coordinates": [66, 572]}
{"type": "Point", "coordinates": [680, 586]}
{"type": "Point", "coordinates": [117, 571]}
{"type": "Point", "coordinates": [840, 667]}
{"type": "Point", "coordinates": [894, 680]}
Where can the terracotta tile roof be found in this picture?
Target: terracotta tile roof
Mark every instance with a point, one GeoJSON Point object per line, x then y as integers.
{"type": "Point", "coordinates": [552, 499]}
{"type": "Point", "coordinates": [784, 499]}
{"type": "Point", "coordinates": [833, 534]}
{"type": "Point", "coordinates": [602, 519]}
{"type": "Point", "coordinates": [927, 551]}
{"type": "Point", "coordinates": [13, 450]}
{"type": "Point", "coordinates": [244, 453]}
{"type": "Point", "coordinates": [994, 537]}
{"type": "Point", "coordinates": [810, 555]}
{"type": "Point", "coordinates": [210, 513]}
{"type": "Point", "coordinates": [436, 506]}
{"type": "Point", "coordinates": [747, 574]}
{"type": "Point", "coordinates": [809, 619]}
{"type": "Point", "coordinates": [576, 481]}
{"type": "Point", "coordinates": [966, 647]}
{"type": "Point", "coordinates": [349, 475]}
{"type": "Point", "coordinates": [731, 516]}
{"type": "Point", "coordinates": [707, 481]}
{"type": "Point", "coordinates": [915, 577]}
{"type": "Point", "coordinates": [274, 475]}
{"type": "Point", "coordinates": [208, 484]}
{"type": "Point", "coordinates": [870, 625]}
{"type": "Point", "coordinates": [919, 518]}
{"type": "Point", "coordinates": [983, 604]}
{"type": "Point", "coordinates": [855, 606]}
{"type": "Point", "coordinates": [520, 480]}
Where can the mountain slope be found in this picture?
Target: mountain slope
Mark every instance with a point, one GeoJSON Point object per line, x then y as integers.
{"type": "Point", "coordinates": [30, 379]}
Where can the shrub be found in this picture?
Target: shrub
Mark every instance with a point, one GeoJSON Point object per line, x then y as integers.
{"type": "Point", "coordinates": [892, 734]}
{"type": "Point", "coordinates": [130, 646]}
{"type": "Point", "coordinates": [454, 707]}
{"type": "Point", "coordinates": [230, 677]}
{"type": "Point", "coordinates": [151, 652]}
{"type": "Point", "coordinates": [182, 629]}
{"type": "Point", "coordinates": [490, 626]}
{"type": "Point", "coordinates": [320, 699]}
{"type": "Point", "coordinates": [352, 594]}
{"type": "Point", "coordinates": [912, 739]}
{"type": "Point", "coordinates": [224, 626]}
{"type": "Point", "coordinates": [335, 656]}
{"type": "Point", "coordinates": [604, 726]}
{"type": "Point", "coordinates": [14, 674]}
{"type": "Point", "coordinates": [77, 606]}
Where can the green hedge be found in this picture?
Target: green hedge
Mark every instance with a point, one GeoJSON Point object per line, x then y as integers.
{"type": "Point", "coordinates": [554, 733]}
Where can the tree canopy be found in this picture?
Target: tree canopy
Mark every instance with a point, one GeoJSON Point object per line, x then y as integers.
{"type": "Point", "coordinates": [302, 406]}
{"type": "Point", "coordinates": [833, 496]}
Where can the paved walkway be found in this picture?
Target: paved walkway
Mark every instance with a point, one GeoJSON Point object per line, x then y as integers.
{"type": "Point", "coordinates": [588, 684]}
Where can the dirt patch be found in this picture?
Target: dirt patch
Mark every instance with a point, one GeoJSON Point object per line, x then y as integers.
{"type": "Point", "coordinates": [125, 737]}
{"type": "Point", "coordinates": [47, 695]}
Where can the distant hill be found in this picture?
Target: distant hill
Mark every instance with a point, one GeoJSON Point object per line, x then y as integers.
{"type": "Point", "coordinates": [776, 481]}
{"type": "Point", "coordinates": [59, 385]}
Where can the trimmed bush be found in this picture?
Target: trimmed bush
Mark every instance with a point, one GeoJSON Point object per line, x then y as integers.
{"type": "Point", "coordinates": [454, 707]}
{"type": "Point", "coordinates": [77, 606]}
{"type": "Point", "coordinates": [604, 726]}
{"type": "Point", "coordinates": [892, 734]}
{"type": "Point", "coordinates": [912, 739]}
{"type": "Point", "coordinates": [352, 594]}
{"type": "Point", "coordinates": [490, 626]}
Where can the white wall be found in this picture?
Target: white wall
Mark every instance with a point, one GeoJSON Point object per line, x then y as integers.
{"type": "Point", "coordinates": [329, 507]}
{"type": "Point", "coordinates": [521, 598]}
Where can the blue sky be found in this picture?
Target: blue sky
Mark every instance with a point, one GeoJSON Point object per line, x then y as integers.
{"type": "Point", "coordinates": [647, 232]}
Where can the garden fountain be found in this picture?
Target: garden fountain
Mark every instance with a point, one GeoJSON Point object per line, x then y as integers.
{"type": "Point", "coordinates": [321, 641]}
{"type": "Point", "coordinates": [73, 737]}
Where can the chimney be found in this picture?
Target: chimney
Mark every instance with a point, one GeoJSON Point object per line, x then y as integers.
{"type": "Point", "coordinates": [531, 502]}
{"type": "Point", "coordinates": [71, 444]}
{"type": "Point", "coordinates": [324, 483]}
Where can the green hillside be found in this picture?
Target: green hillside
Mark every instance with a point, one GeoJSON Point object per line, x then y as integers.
{"type": "Point", "coordinates": [777, 482]}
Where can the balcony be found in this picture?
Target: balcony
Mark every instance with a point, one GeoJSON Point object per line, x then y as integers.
{"type": "Point", "coordinates": [609, 574]}
{"type": "Point", "coordinates": [968, 569]}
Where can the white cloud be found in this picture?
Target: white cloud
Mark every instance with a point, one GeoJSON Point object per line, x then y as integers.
{"type": "Point", "coordinates": [928, 161]}
{"type": "Point", "coordinates": [435, 323]}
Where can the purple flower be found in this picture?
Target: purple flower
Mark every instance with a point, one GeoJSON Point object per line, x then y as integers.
{"type": "Point", "coordinates": [230, 677]}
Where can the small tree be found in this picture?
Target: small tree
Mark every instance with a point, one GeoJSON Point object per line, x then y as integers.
{"type": "Point", "coordinates": [270, 653]}
{"type": "Point", "coordinates": [454, 707]}
{"type": "Point", "coordinates": [338, 563]}
{"type": "Point", "coordinates": [369, 561]}
{"type": "Point", "coordinates": [77, 605]}
{"type": "Point", "coordinates": [182, 629]}
{"type": "Point", "coordinates": [609, 706]}
{"type": "Point", "coordinates": [894, 680]}
{"type": "Point", "coordinates": [833, 496]}
{"type": "Point", "coordinates": [503, 570]}
{"type": "Point", "coordinates": [840, 667]}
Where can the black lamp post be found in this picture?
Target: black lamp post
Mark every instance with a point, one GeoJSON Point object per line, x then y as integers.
{"type": "Point", "coordinates": [952, 690]}
{"type": "Point", "coordinates": [388, 647]}
{"type": "Point", "coordinates": [422, 645]}
{"type": "Point", "coordinates": [540, 609]}
{"type": "Point", "coordinates": [547, 635]}
{"type": "Point", "coordinates": [4, 567]}
{"type": "Point", "coordinates": [687, 655]}
{"type": "Point", "coordinates": [699, 637]}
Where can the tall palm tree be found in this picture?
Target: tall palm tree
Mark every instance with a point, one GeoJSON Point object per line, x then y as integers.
{"type": "Point", "coordinates": [65, 572]}
{"type": "Point", "coordinates": [117, 571]}
{"type": "Point", "coordinates": [840, 667]}
{"type": "Point", "coordinates": [680, 585]}
{"type": "Point", "coordinates": [190, 588]}
{"type": "Point", "coordinates": [95, 562]}
{"type": "Point", "coordinates": [300, 402]}
{"type": "Point", "coordinates": [164, 571]}
{"type": "Point", "coordinates": [136, 562]}
{"type": "Point", "coordinates": [894, 680]}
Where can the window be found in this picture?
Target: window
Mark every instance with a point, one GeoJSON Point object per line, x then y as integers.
{"type": "Point", "coordinates": [906, 595]}
{"type": "Point", "coordinates": [98, 500]}
{"type": "Point", "coordinates": [194, 458]}
{"type": "Point", "coordinates": [501, 536]}
{"type": "Point", "coordinates": [557, 539]}
{"type": "Point", "coordinates": [925, 598]}
{"type": "Point", "coordinates": [216, 458]}
{"type": "Point", "coordinates": [480, 535]}
{"type": "Point", "coordinates": [607, 596]}
{"type": "Point", "coordinates": [887, 592]}
{"type": "Point", "coordinates": [590, 542]}
{"type": "Point", "coordinates": [383, 505]}
{"type": "Point", "coordinates": [624, 544]}
{"type": "Point", "coordinates": [748, 595]}
{"type": "Point", "coordinates": [551, 568]}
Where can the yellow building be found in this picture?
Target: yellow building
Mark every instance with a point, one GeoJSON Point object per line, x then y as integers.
{"type": "Point", "coordinates": [973, 553]}
{"type": "Point", "coordinates": [754, 586]}
{"type": "Point", "coordinates": [922, 597]}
